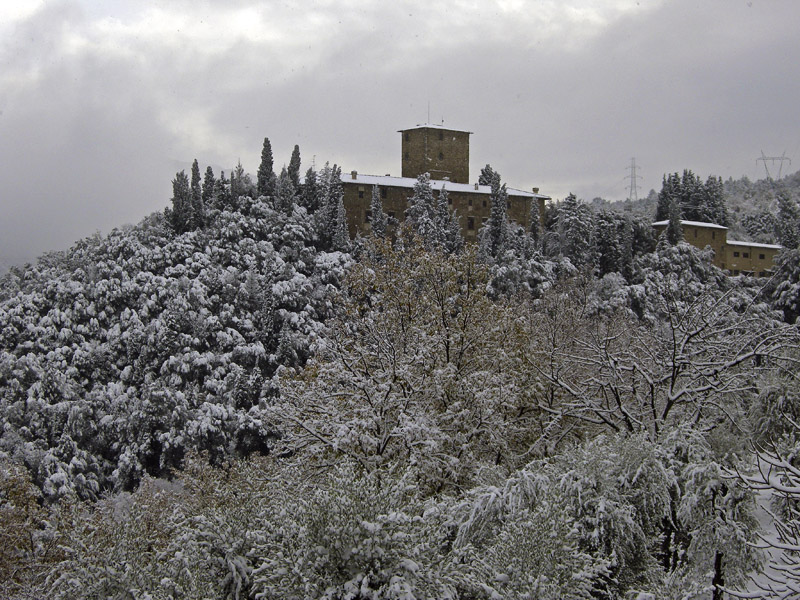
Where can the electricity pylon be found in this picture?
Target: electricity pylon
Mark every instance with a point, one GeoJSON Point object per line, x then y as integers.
{"type": "Point", "coordinates": [633, 188]}
{"type": "Point", "coordinates": [781, 159]}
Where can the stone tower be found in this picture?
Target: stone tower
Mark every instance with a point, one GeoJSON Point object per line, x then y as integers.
{"type": "Point", "coordinates": [434, 149]}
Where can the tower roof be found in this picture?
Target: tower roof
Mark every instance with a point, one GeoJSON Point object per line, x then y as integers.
{"type": "Point", "coordinates": [439, 126]}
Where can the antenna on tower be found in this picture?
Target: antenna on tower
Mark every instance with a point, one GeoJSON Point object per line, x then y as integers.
{"type": "Point", "coordinates": [633, 187]}
{"type": "Point", "coordinates": [781, 159]}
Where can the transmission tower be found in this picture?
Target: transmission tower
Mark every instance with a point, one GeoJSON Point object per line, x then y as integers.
{"type": "Point", "coordinates": [633, 188]}
{"type": "Point", "coordinates": [780, 159]}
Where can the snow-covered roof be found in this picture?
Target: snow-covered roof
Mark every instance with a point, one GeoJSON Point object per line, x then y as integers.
{"type": "Point", "coordinates": [434, 126]}
{"type": "Point", "coordinates": [692, 223]}
{"type": "Point", "coordinates": [755, 245]}
{"type": "Point", "coordinates": [436, 184]}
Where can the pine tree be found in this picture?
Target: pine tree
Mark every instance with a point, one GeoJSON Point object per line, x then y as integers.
{"type": "Point", "coordinates": [341, 237]}
{"type": "Point", "coordinates": [535, 224]}
{"type": "Point", "coordinates": [489, 176]}
{"type": "Point", "coordinates": [379, 219]}
{"type": "Point", "coordinates": [266, 176]}
{"type": "Point", "coordinates": [309, 197]}
{"type": "Point", "coordinates": [607, 243]}
{"type": "Point", "coordinates": [222, 192]}
{"type": "Point", "coordinates": [208, 187]}
{"type": "Point", "coordinates": [181, 215]}
{"type": "Point", "coordinates": [294, 167]}
{"type": "Point", "coordinates": [674, 231]}
{"type": "Point", "coordinates": [497, 225]}
{"type": "Point", "coordinates": [575, 228]}
{"type": "Point", "coordinates": [198, 209]}
{"type": "Point", "coordinates": [284, 193]}
{"type": "Point", "coordinates": [421, 212]}
{"type": "Point", "coordinates": [788, 220]}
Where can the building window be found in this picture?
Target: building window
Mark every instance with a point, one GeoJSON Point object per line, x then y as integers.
{"type": "Point", "coordinates": [761, 257]}
{"type": "Point", "coordinates": [383, 192]}
{"type": "Point", "coordinates": [469, 202]}
{"type": "Point", "coordinates": [408, 137]}
{"type": "Point", "coordinates": [713, 235]}
{"type": "Point", "coordinates": [360, 193]}
{"type": "Point", "coordinates": [471, 223]}
{"type": "Point", "coordinates": [736, 255]}
{"type": "Point", "coordinates": [484, 204]}
{"type": "Point", "coordinates": [367, 216]}
{"type": "Point", "coordinates": [441, 135]}
{"type": "Point", "coordinates": [450, 201]}
{"type": "Point", "coordinates": [695, 233]}
{"type": "Point", "coordinates": [745, 255]}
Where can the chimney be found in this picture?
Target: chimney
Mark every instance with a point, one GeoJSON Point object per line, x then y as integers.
{"type": "Point", "coordinates": [477, 185]}
{"type": "Point", "coordinates": [535, 190]}
{"type": "Point", "coordinates": [354, 174]}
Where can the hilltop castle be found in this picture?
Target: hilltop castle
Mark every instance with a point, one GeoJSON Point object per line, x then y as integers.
{"type": "Point", "coordinates": [444, 154]}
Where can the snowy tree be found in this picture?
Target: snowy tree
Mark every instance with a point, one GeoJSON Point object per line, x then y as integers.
{"type": "Point", "coordinates": [788, 220]}
{"type": "Point", "coordinates": [208, 187]}
{"type": "Point", "coordinates": [198, 208]}
{"type": "Point", "coordinates": [181, 216]}
{"type": "Point", "coordinates": [379, 220]}
{"type": "Point", "coordinates": [575, 227]}
{"type": "Point", "coordinates": [284, 193]}
{"type": "Point", "coordinates": [266, 175]}
{"type": "Point", "coordinates": [309, 195]}
{"type": "Point", "coordinates": [294, 167]}
{"type": "Point", "coordinates": [494, 233]}
{"type": "Point", "coordinates": [421, 212]}
{"type": "Point", "coordinates": [674, 231]}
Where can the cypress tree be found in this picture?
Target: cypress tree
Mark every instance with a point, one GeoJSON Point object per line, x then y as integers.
{"type": "Point", "coordinates": [310, 192]}
{"type": "Point", "coordinates": [294, 167]}
{"type": "Point", "coordinates": [181, 203]}
{"type": "Point", "coordinates": [674, 231]}
{"type": "Point", "coordinates": [284, 193]}
{"type": "Point", "coordinates": [198, 210]}
{"type": "Point", "coordinates": [379, 220]}
{"type": "Point", "coordinates": [208, 187]}
{"type": "Point", "coordinates": [266, 176]}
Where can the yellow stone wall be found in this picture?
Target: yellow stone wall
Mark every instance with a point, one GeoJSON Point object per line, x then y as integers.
{"type": "Point", "coordinates": [444, 153]}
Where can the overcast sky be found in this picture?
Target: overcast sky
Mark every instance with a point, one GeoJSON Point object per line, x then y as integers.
{"type": "Point", "coordinates": [102, 102]}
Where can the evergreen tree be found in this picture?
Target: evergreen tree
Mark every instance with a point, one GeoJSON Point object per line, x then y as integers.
{"type": "Point", "coordinates": [341, 237]}
{"type": "Point", "coordinates": [535, 224]}
{"type": "Point", "coordinates": [294, 167]}
{"type": "Point", "coordinates": [379, 220]}
{"type": "Point", "coordinates": [788, 220]}
{"type": "Point", "coordinates": [266, 176]}
{"type": "Point", "coordinates": [575, 227]}
{"type": "Point", "coordinates": [494, 233]}
{"type": "Point", "coordinates": [674, 231]}
{"type": "Point", "coordinates": [198, 209]}
{"type": "Point", "coordinates": [284, 193]}
{"type": "Point", "coordinates": [421, 212]}
{"type": "Point", "coordinates": [222, 192]}
{"type": "Point", "coordinates": [608, 242]}
{"type": "Point", "coordinates": [309, 197]}
{"type": "Point", "coordinates": [489, 176]}
{"type": "Point", "coordinates": [208, 187]}
{"type": "Point", "coordinates": [181, 215]}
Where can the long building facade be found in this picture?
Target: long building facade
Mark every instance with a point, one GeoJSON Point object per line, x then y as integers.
{"type": "Point", "coordinates": [738, 258]}
{"type": "Point", "coordinates": [444, 154]}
